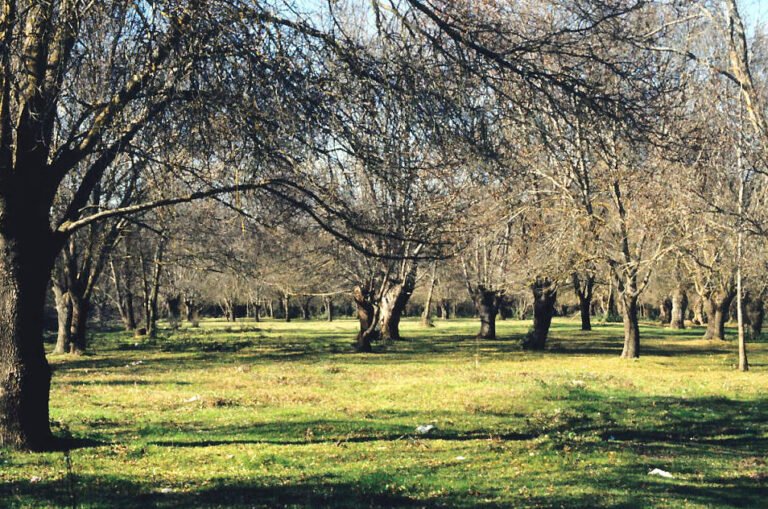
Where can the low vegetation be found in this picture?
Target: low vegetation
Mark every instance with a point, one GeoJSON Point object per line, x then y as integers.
{"type": "Point", "coordinates": [281, 415]}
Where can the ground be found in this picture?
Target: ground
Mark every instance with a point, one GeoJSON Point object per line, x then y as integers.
{"type": "Point", "coordinates": [276, 414]}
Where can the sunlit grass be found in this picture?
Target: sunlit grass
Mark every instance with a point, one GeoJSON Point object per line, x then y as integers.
{"type": "Point", "coordinates": [281, 414]}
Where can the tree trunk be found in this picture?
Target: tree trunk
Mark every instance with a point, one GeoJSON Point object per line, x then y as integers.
{"type": "Point", "coordinates": [64, 314]}
{"type": "Point", "coordinates": [698, 311]}
{"type": "Point", "coordinates": [755, 311]}
{"type": "Point", "coordinates": [679, 308]}
{"type": "Point", "coordinates": [192, 312]}
{"type": "Point", "coordinates": [328, 303]}
{"type": "Point", "coordinates": [124, 299]}
{"type": "Point", "coordinates": [81, 307]}
{"type": "Point", "coordinates": [665, 310]}
{"type": "Point", "coordinates": [26, 263]}
{"type": "Point", "coordinates": [631, 328]}
{"type": "Point", "coordinates": [173, 302]}
{"type": "Point", "coordinates": [306, 309]}
{"type": "Point", "coordinates": [583, 291]}
{"type": "Point", "coordinates": [611, 311]}
{"type": "Point", "coordinates": [717, 307]}
{"type": "Point", "coordinates": [287, 307]}
{"type": "Point", "coordinates": [544, 298]}
{"type": "Point", "coordinates": [393, 304]}
{"type": "Point", "coordinates": [487, 305]}
{"type": "Point", "coordinates": [257, 313]}
{"type": "Point", "coordinates": [426, 316]}
{"type": "Point", "coordinates": [445, 313]}
{"type": "Point", "coordinates": [130, 314]}
{"type": "Point", "coordinates": [366, 317]}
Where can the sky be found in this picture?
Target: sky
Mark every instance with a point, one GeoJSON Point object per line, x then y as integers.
{"type": "Point", "coordinates": [755, 11]}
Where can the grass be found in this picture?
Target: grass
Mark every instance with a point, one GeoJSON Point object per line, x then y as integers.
{"type": "Point", "coordinates": [275, 414]}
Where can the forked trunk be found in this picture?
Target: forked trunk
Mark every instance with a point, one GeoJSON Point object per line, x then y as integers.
{"type": "Point", "coordinates": [631, 329]}
{"type": "Point", "coordinates": [544, 298]}
{"type": "Point", "coordinates": [26, 263]}
{"type": "Point", "coordinates": [717, 307]}
{"type": "Point", "coordinates": [679, 308]}
{"type": "Point", "coordinates": [393, 305]}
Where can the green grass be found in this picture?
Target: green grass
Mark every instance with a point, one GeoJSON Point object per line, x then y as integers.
{"type": "Point", "coordinates": [282, 415]}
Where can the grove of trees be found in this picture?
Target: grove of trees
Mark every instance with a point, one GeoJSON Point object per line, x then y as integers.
{"type": "Point", "coordinates": [186, 158]}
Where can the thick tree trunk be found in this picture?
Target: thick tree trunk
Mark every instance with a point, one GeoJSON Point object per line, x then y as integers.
{"type": "Point", "coordinates": [366, 315]}
{"type": "Point", "coordinates": [544, 298]}
{"type": "Point", "coordinates": [679, 308]}
{"type": "Point", "coordinates": [717, 307]}
{"type": "Point", "coordinates": [487, 305]}
{"type": "Point", "coordinates": [631, 328]}
{"type": "Point", "coordinates": [64, 314]}
{"type": "Point", "coordinates": [328, 303]}
{"type": "Point", "coordinates": [393, 305]}
{"type": "Point", "coordinates": [26, 263]}
{"type": "Point", "coordinates": [257, 313]}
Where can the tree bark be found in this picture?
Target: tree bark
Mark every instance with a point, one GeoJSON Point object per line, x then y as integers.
{"type": "Point", "coordinates": [393, 304]}
{"type": "Point", "coordinates": [584, 289]}
{"type": "Point", "coordinates": [328, 303]}
{"type": "Point", "coordinates": [699, 317]}
{"type": "Point", "coordinates": [487, 305]}
{"type": "Point", "coordinates": [717, 307]}
{"type": "Point", "coordinates": [81, 307]}
{"type": "Point", "coordinates": [544, 298]}
{"type": "Point", "coordinates": [26, 261]}
{"type": "Point", "coordinates": [366, 315]}
{"type": "Point", "coordinates": [287, 307]}
{"type": "Point", "coordinates": [426, 316]}
{"type": "Point", "coordinates": [445, 313]}
{"type": "Point", "coordinates": [305, 304]}
{"type": "Point", "coordinates": [755, 311]}
{"type": "Point", "coordinates": [611, 311]}
{"type": "Point", "coordinates": [631, 328]}
{"type": "Point", "coordinates": [679, 308]}
{"type": "Point", "coordinates": [665, 310]}
{"type": "Point", "coordinates": [64, 314]}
